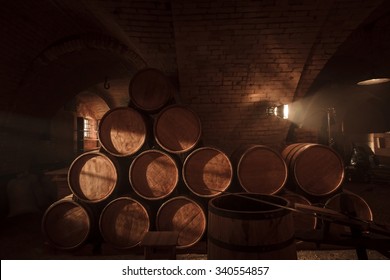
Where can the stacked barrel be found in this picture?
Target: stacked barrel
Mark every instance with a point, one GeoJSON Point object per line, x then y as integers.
{"type": "Point", "coordinates": [316, 175]}
{"type": "Point", "coordinates": [153, 173]}
{"type": "Point", "coordinates": [263, 170]}
{"type": "Point", "coordinates": [304, 173]}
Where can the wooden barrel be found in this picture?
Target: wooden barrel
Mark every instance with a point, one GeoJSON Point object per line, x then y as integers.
{"type": "Point", "coordinates": [123, 131]}
{"type": "Point", "coordinates": [185, 216]}
{"type": "Point", "coordinates": [289, 151]}
{"type": "Point", "coordinates": [350, 204]}
{"type": "Point", "coordinates": [316, 169]}
{"type": "Point", "coordinates": [207, 172]}
{"type": "Point", "coordinates": [67, 224]}
{"type": "Point", "coordinates": [93, 177]}
{"type": "Point", "coordinates": [177, 129]}
{"type": "Point", "coordinates": [301, 222]}
{"type": "Point", "coordinates": [242, 227]}
{"type": "Point", "coordinates": [260, 169]}
{"type": "Point", "coordinates": [153, 174]}
{"type": "Point", "coordinates": [150, 90]}
{"type": "Point", "coordinates": [124, 222]}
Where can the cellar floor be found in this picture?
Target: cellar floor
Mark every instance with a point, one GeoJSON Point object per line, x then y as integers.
{"type": "Point", "coordinates": [21, 237]}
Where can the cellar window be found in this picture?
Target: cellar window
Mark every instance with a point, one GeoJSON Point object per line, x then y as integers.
{"type": "Point", "coordinates": [89, 128]}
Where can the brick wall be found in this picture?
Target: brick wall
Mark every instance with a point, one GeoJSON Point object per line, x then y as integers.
{"type": "Point", "coordinates": [236, 57]}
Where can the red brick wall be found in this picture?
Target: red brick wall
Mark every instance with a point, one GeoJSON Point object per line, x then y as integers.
{"type": "Point", "coordinates": [235, 57]}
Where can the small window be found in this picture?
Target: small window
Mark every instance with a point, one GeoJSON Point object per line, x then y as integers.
{"type": "Point", "coordinates": [90, 129]}
{"type": "Point", "coordinates": [87, 128]}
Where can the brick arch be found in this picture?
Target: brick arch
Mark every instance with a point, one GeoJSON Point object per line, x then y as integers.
{"type": "Point", "coordinates": [91, 104]}
{"type": "Point", "coordinates": [84, 42]}
{"type": "Point", "coordinates": [71, 65]}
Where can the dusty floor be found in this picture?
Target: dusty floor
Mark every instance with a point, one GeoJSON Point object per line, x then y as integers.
{"type": "Point", "coordinates": [21, 237]}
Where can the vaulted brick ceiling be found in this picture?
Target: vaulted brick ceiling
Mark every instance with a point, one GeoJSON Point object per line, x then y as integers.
{"type": "Point", "coordinates": [219, 53]}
